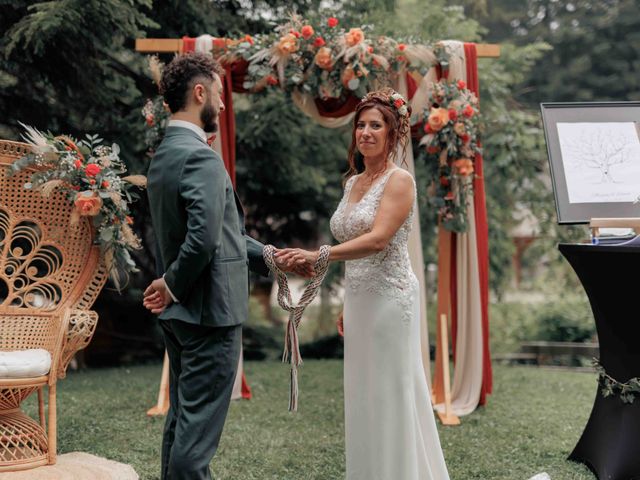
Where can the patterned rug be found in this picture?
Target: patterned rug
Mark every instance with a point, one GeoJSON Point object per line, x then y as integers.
{"type": "Point", "coordinates": [76, 466]}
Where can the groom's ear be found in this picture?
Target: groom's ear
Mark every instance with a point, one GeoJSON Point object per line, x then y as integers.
{"type": "Point", "coordinates": [199, 93]}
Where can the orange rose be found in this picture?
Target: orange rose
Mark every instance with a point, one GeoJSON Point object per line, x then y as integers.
{"type": "Point", "coordinates": [88, 203]}
{"type": "Point", "coordinates": [307, 32]}
{"type": "Point", "coordinates": [402, 47]}
{"type": "Point", "coordinates": [323, 58]}
{"type": "Point", "coordinates": [347, 75]}
{"type": "Point", "coordinates": [464, 166]}
{"type": "Point", "coordinates": [438, 118]}
{"type": "Point", "coordinates": [354, 36]}
{"type": "Point", "coordinates": [287, 44]}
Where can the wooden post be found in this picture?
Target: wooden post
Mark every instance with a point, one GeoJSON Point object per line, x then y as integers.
{"type": "Point", "coordinates": [171, 45]}
{"type": "Point", "coordinates": [448, 417]}
{"type": "Point", "coordinates": [162, 407]}
{"type": "Point", "coordinates": [444, 308]}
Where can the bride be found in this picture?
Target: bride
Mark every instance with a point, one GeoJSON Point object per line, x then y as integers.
{"type": "Point", "coordinates": [389, 423]}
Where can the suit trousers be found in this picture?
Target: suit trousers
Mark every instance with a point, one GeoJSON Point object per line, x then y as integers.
{"type": "Point", "coordinates": [203, 363]}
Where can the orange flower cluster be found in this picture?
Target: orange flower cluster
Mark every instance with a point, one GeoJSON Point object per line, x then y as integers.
{"type": "Point", "coordinates": [323, 58]}
{"type": "Point", "coordinates": [88, 203]}
{"type": "Point", "coordinates": [288, 44]}
{"type": "Point", "coordinates": [354, 36]}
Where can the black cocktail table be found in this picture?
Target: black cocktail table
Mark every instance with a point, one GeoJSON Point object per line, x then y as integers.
{"type": "Point", "coordinates": [610, 275]}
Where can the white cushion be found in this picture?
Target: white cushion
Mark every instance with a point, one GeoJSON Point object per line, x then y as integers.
{"type": "Point", "coordinates": [24, 363]}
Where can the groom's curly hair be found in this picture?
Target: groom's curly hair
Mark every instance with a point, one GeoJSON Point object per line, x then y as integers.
{"type": "Point", "coordinates": [182, 73]}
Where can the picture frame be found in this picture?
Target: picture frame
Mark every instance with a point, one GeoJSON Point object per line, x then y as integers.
{"type": "Point", "coordinates": [594, 158]}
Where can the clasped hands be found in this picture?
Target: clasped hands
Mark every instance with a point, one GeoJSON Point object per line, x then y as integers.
{"type": "Point", "coordinates": [295, 260]}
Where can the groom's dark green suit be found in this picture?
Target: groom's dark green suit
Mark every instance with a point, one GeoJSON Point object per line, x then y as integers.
{"type": "Point", "coordinates": [205, 255]}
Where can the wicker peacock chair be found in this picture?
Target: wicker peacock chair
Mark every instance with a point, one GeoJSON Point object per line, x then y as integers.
{"type": "Point", "coordinates": [50, 275]}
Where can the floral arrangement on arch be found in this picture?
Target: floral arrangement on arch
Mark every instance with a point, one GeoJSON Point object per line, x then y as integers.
{"type": "Point", "coordinates": [91, 175]}
{"type": "Point", "coordinates": [323, 60]}
{"type": "Point", "coordinates": [450, 144]}
{"type": "Point", "coordinates": [156, 116]}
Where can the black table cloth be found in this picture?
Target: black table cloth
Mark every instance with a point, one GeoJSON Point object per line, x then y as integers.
{"type": "Point", "coordinates": [610, 275]}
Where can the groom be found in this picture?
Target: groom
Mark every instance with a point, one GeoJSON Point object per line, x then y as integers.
{"type": "Point", "coordinates": [204, 255]}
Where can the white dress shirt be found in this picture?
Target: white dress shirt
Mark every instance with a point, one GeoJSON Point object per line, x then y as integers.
{"type": "Point", "coordinates": [191, 126]}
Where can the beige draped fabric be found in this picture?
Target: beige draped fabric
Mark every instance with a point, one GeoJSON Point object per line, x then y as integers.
{"type": "Point", "coordinates": [305, 102]}
{"type": "Point", "coordinates": [415, 248]}
{"type": "Point", "coordinates": [467, 378]}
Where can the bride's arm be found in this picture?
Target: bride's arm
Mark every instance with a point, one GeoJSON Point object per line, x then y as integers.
{"type": "Point", "coordinates": [394, 208]}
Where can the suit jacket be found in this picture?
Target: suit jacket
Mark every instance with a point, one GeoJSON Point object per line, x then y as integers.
{"type": "Point", "coordinates": [198, 220]}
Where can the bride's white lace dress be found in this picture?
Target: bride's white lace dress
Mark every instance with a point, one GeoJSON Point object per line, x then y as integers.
{"type": "Point", "coordinates": [389, 423]}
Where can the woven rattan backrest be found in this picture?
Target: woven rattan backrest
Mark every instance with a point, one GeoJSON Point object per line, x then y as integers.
{"type": "Point", "coordinates": [46, 263]}
{"type": "Point", "coordinates": [23, 331]}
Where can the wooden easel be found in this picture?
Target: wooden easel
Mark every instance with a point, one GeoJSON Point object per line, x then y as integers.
{"type": "Point", "coordinates": [597, 223]}
{"type": "Point", "coordinates": [441, 381]}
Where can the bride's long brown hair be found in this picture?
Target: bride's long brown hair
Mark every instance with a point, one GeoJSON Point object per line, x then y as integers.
{"type": "Point", "coordinates": [398, 132]}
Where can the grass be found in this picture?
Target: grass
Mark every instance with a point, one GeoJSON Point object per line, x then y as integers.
{"type": "Point", "coordinates": [533, 420]}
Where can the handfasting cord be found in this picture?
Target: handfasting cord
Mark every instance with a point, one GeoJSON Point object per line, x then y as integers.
{"type": "Point", "coordinates": [291, 346]}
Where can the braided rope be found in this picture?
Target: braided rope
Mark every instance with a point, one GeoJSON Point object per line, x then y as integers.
{"type": "Point", "coordinates": [291, 346]}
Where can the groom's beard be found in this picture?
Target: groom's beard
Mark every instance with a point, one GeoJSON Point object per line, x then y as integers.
{"type": "Point", "coordinates": [209, 118]}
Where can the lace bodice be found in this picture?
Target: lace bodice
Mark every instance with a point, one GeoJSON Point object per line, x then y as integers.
{"type": "Point", "coordinates": [387, 272]}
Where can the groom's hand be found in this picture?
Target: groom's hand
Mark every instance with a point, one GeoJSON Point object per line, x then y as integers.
{"type": "Point", "coordinates": [300, 267]}
{"type": "Point", "coordinates": [156, 296]}
{"type": "Point", "coordinates": [291, 257]}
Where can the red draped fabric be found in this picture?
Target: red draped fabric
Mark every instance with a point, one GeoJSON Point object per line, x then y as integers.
{"type": "Point", "coordinates": [482, 233]}
{"type": "Point", "coordinates": [227, 124]}
{"type": "Point", "coordinates": [336, 107]}
{"type": "Point", "coordinates": [188, 44]}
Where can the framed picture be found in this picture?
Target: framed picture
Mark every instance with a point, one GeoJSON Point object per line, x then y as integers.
{"type": "Point", "coordinates": [594, 156]}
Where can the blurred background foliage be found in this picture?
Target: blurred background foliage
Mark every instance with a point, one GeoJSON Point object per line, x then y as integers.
{"type": "Point", "coordinates": [69, 66]}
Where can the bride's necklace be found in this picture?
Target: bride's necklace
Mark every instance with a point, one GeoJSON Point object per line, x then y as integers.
{"type": "Point", "coordinates": [366, 181]}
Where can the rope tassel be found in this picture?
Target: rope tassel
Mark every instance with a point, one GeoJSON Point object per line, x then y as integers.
{"type": "Point", "coordinates": [291, 351]}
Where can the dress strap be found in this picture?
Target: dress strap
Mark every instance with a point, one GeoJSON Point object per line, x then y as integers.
{"type": "Point", "coordinates": [348, 186]}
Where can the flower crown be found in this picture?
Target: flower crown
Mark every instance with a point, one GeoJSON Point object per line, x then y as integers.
{"type": "Point", "coordinates": [398, 102]}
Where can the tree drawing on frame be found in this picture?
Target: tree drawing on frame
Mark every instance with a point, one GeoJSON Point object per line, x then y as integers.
{"type": "Point", "coordinates": [601, 151]}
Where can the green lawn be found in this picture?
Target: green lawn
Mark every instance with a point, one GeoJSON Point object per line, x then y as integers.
{"type": "Point", "coordinates": [532, 422]}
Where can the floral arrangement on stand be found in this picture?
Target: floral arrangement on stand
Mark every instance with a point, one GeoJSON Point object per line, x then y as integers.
{"type": "Point", "coordinates": [450, 144]}
{"type": "Point", "coordinates": [91, 175]}
{"type": "Point", "coordinates": [323, 60]}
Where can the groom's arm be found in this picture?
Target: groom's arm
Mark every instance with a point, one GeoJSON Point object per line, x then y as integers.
{"type": "Point", "coordinates": [202, 190]}
{"type": "Point", "coordinates": [256, 260]}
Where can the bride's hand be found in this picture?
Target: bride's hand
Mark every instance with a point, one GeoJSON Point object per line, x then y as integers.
{"type": "Point", "coordinates": [297, 256]}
